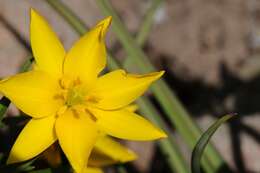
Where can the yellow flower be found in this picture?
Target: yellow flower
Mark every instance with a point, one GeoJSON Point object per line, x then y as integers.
{"type": "Point", "coordinates": [106, 152]}
{"type": "Point", "coordinates": [68, 100]}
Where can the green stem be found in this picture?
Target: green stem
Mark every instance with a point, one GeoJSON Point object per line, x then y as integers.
{"type": "Point", "coordinates": [48, 170]}
{"type": "Point", "coordinates": [203, 141]}
{"type": "Point", "coordinates": [167, 99]}
{"type": "Point", "coordinates": [168, 146]}
{"type": "Point", "coordinates": [27, 64]}
{"type": "Point", "coordinates": [4, 103]}
{"type": "Point", "coordinates": [69, 16]}
{"type": "Point", "coordinates": [147, 23]}
{"type": "Point", "coordinates": [175, 160]}
{"type": "Point", "coordinates": [145, 28]}
{"type": "Point", "coordinates": [121, 169]}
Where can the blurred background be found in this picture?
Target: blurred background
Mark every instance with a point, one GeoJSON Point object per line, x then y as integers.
{"type": "Point", "coordinates": [209, 49]}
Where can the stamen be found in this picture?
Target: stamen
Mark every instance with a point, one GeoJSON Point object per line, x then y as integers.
{"type": "Point", "coordinates": [62, 110]}
{"type": "Point", "coordinates": [65, 82]}
{"type": "Point", "coordinates": [75, 96]}
{"type": "Point", "coordinates": [92, 116]}
{"type": "Point", "coordinates": [77, 82]}
{"type": "Point", "coordinates": [93, 99]}
{"type": "Point", "coordinates": [73, 92]}
{"type": "Point", "coordinates": [62, 95]}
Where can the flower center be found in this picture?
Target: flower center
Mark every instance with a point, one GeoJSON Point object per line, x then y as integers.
{"type": "Point", "coordinates": [73, 92]}
{"type": "Point", "coordinates": [75, 96]}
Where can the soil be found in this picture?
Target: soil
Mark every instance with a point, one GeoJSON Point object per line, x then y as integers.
{"type": "Point", "coordinates": [209, 49]}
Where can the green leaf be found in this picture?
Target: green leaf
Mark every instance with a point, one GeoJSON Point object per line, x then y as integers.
{"type": "Point", "coordinates": [4, 103]}
{"type": "Point", "coordinates": [168, 146]}
{"type": "Point", "coordinates": [27, 64]}
{"type": "Point", "coordinates": [203, 141]}
{"type": "Point", "coordinates": [121, 169]}
{"type": "Point", "coordinates": [27, 166]}
{"type": "Point", "coordinates": [48, 170]}
{"type": "Point", "coordinates": [18, 167]}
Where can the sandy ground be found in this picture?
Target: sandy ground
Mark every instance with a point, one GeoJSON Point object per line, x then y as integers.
{"type": "Point", "coordinates": [209, 49]}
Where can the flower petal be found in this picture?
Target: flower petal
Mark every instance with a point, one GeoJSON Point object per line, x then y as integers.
{"type": "Point", "coordinates": [132, 107]}
{"type": "Point", "coordinates": [111, 151]}
{"type": "Point", "coordinates": [77, 135]}
{"type": "Point", "coordinates": [47, 49]}
{"type": "Point", "coordinates": [37, 135]}
{"type": "Point", "coordinates": [88, 55]}
{"type": "Point", "coordinates": [118, 89]}
{"type": "Point", "coordinates": [92, 170]}
{"type": "Point", "coordinates": [33, 92]}
{"type": "Point", "coordinates": [126, 125]}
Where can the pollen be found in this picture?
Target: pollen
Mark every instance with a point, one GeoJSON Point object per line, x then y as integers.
{"type": "Point", "coordinates": [74, 93]}
{"type": "Point", "coordinates": [75, 96]}
{"type": "Point", "coordinates": [62, 110]}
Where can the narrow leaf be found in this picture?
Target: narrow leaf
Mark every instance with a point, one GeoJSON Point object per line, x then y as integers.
{"type": "Point", "coordinates": [4, 103]}
{"type": "Point", "coordinates": [27, 64]}
{"type": "Point", "coordinates": [203, 141]}
{"type": "Point", "coordinates": [121, 169]}
{"type": "Point", "coordinates": [18, 167]}
{"type": "Point", "coordinates": [48, 170]}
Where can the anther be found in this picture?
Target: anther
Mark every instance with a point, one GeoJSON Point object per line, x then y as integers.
{"type": "Point", "coordinates": [62, 110]}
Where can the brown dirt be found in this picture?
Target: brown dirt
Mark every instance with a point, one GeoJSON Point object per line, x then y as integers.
{"type": "Point", "coordinates": [204, 45]}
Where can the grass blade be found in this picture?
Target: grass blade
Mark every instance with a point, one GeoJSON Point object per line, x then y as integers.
{"type": "Point", "coordinates": [203, 141]}
{"type": "Point", "coordinates": [145, 29]}
{"type": "Point", "coordinates": [121, 169]}
{"type": "Point", "coordinates": [169, 102]}
{"type": "Point", "coordinates": [175, 160]}
{"type": "Point", "coordinates": [18, 167]}
{"type": "Point", "coordinates": [27, 64]}
{"type": "Point", "coordinates": [168, 146]}
{"type": "Point", "coordinates": [48, 170]}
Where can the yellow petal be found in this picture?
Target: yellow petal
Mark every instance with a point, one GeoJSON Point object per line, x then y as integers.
{"type": "Point", "coordinates": [33, 92]}
{"type": "Point", "coordinates": [36, 136]}
{"type": "Point", "coordinates": [88, 55]}
{"type": "Point", "coordinates": [132, 107]}
{"type": "Point", "coordinates": [77, 135]}
{"type": "Point", "coordinates": [113, 150]}
{"type": "Point", "coordinates": [92, 170]}
{"type": "Point", "coordinates": [48, 51]}
{"type": "Point", "coordinates": [118, 89]}
{"type": "Point", "coordinates": [126, 125]}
